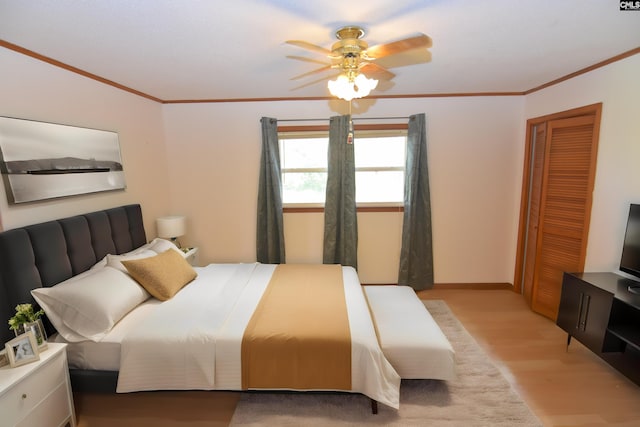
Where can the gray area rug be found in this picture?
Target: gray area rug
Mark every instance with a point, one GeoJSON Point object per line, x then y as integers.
{"type": "Point", "coordinates": [480, 396]}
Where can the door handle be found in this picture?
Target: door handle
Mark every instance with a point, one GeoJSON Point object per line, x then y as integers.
{"type": "Point", "coordinates": [585, 312]}
{"type": "Point", "coordinates": [580, 307]}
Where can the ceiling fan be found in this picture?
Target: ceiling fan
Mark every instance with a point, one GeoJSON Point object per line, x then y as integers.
{"type": "Point", "coordinates": [356, 61]}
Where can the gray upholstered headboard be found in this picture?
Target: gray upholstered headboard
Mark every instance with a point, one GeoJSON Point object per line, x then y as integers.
{"type": "Point", "coordinates": [50, 252]}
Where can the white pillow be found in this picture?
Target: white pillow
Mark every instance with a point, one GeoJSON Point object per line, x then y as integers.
{"type": "Point", "coordinates": [115, 261]}
{"type": "Point", "coordinates": [157, 245]}
{"type": "Point", "coordinates": [154, 247]}
{"type": "Point", "coordinates": [142, 249]}
{"type": "Point", "coordinates": [87, 306]}
{"type": "Point", "coordinates": [100, 264]}
{"type": "Point", "coordinates": [161, 245]}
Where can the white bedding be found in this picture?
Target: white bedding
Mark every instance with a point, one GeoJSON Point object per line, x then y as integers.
{"type": "Point", "coordinates": [410, 338]}
{"type": "Point", "coordinates": [104, 355]}
{"type": "Point", "coordinates": [164, 349]}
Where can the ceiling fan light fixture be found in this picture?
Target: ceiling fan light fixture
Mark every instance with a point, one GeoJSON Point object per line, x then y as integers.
{"type": "Point", "coordinates": [364, 84]}
{"type": "Point", "coordinates": [347, 88]}
{"type": "Point", "coordinates": [351, 55]}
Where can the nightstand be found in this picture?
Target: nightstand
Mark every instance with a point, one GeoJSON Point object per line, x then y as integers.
{"type": "Point", "coordinates": [190, 254]}
{"type": "Point", "coordinates": [38, 393]}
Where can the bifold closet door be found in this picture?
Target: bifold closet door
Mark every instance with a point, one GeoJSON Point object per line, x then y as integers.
{"type": "Point", "coordinates": [562, 224]}
{"type": "Point", "coordinates": [538, 144]}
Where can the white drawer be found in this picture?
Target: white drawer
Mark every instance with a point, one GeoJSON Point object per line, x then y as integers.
{"type": "Point", "coordinates": [28, 393]}
{"type": "Point", "coordinates": [54, 411]}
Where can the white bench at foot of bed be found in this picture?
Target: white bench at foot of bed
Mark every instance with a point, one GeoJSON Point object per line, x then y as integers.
{"type": "Point", "coordinates": [410, 339]}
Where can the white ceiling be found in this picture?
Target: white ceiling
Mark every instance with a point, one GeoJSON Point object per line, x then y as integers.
{"type": "Point", "coordinates": [234, 49]}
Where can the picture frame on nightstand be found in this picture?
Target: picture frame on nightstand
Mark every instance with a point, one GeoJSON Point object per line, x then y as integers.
{"type": "Point", "coordinates": [22, 349]}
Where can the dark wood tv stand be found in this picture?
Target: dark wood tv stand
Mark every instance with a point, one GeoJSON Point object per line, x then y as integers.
{"type": "Point", "coordinates": [600, 311]}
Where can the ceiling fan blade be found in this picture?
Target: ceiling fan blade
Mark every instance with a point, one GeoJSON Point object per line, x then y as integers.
{"type": "Point", "coordinates": [316, 71]}
{"type": "Point", "coordinates": [309, 46]}
{"type": "Point", "coordinates": [375, 71]}
{"type": "Point", "coordinates": [415, 42]}
{"type": "Point", "coordinates": [303, 58]}
{"type": "Point", "coordinates": [324, 79]}
{"type": "Point", "coordinates": [410, 57]}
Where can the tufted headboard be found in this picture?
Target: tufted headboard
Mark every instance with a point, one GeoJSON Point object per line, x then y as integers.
{"type": "Point", "coordinates": [50, 252]}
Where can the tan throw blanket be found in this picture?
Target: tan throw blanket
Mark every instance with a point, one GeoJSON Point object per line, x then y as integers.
{"type": "Point", "coordinates": [298, 337]}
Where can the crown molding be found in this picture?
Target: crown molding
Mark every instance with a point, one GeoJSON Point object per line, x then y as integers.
{"type": "Point", "coordinates": [70, 68]}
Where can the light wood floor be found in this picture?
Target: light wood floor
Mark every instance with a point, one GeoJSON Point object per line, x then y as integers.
{"type": "Point", "coordinates": [573, 388]}
{"type": "Point", "coordinates": [563, 388]}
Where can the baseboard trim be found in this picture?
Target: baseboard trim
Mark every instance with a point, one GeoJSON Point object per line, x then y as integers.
{"type": "Point", "coordinates": [470, 286]}
{"type": "Point", "coordinates": [475, 286]}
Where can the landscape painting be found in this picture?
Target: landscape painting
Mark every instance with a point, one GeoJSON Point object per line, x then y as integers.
{"type": "Point", "coordinates": [42, 161]}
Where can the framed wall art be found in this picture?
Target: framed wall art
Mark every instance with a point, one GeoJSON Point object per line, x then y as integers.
{"type": "Point", "coordinates": [41, 160]}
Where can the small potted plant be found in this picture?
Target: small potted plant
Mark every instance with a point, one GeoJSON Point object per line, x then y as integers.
{"type": "Point", "coordinates": [27, 319]}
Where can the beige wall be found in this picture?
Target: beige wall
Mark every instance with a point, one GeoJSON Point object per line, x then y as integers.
{"type": "Point", "coordinates": [617, 183]}
{"type": "Point", "coordinates": [31, 89]}
{"type": "Point", "coordinates": [201, 160]}
{"type": "Point", "coordinates": [475, 159]}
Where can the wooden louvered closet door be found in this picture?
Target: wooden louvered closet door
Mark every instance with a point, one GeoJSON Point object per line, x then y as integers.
{"type": "Point", "coordinates": [535, 187]}
{"type": "Point", "coordinates": [558, 192]}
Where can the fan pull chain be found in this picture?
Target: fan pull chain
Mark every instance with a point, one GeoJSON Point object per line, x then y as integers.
{"type": "Point", "coordinates": [350, 134]}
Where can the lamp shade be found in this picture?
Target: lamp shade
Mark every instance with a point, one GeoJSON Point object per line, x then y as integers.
{"type": "Point", "coordinates": [347, 88]}
{"type": "Point", "coordinates": [171, 226]}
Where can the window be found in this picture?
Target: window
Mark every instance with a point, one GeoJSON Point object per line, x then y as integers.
{"type": "Point", "coordinates": [379, 161]}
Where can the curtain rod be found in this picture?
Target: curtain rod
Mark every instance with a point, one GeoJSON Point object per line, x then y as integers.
{"type": "Point", "coordinates": [354, 119]}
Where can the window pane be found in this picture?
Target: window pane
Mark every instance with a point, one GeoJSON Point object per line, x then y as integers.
{"type": "Point", "coordinates": [382, 152]}
{"type": "Point", "coordinates": [387, 186]}
{"type": "Point", "coordinates": [304, 166]}
{"type": "Point", "coordinates": [307, 187]}
{"type": "Point", "coordinates": [304, 153]}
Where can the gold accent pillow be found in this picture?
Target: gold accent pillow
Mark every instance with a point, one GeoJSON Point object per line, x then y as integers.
{"type": "Point", "coordinates": [162, 275]}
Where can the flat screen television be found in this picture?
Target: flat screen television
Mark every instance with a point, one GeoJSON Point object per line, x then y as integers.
{"type": "Point", "coordinates": [630, 261]}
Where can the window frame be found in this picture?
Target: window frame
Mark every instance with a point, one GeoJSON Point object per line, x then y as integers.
{"type": "Point", "coordinates": [292, 132]}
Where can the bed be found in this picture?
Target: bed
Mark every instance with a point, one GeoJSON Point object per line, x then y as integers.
{"type": "Point", "coordinates": [223, 300]}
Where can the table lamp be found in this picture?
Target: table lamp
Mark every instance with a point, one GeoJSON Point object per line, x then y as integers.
{"type": "Point", "coordinates": [171, 227]}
